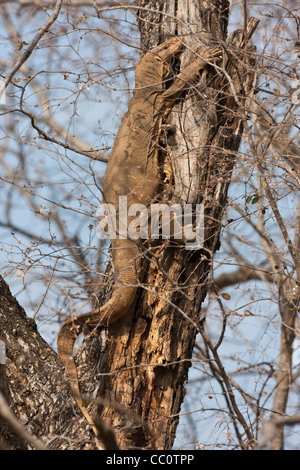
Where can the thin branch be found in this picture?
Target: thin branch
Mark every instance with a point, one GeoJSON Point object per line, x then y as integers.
{"type": "Point", "coordinates": [94, 154]}
{"type": "Point", "coordinates": [227, 384]}
{"type": "Point", "coordinates": [46, 291]}
{"type": "Point", "coordinates": [270, 197]}
{"type": "Point", "coordinates": [27, 53]}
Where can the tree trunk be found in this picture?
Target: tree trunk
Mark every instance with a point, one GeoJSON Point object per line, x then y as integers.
{"type": "Point", "coordinates": [149, 352]}
{"type": "Point", "coordinates": [34, 384]}
{"type": "Point", "coordinates": [289, 301]}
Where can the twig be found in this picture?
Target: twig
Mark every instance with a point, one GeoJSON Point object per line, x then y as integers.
{"type": "Point", "coordinates": [227, 385]}
{"type": "Point", "coordinates": [94, 154]}
{"type": "Point", "coordinates": [31, 46]}
{"type": "Point", "coordinates": [46, 291]}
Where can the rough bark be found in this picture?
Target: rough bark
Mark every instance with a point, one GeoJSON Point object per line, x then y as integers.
{"type": "Point", "coordinates": [34, 384]}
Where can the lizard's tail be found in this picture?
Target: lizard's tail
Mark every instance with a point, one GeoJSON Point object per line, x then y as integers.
{"type": "Point", "coordinates": [67, 335]}
{"type": "Point", "coordinates": [126, 259]}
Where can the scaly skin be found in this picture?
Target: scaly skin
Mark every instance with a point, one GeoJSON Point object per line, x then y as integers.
{"type": "Point", "coordinates": [132, 171]}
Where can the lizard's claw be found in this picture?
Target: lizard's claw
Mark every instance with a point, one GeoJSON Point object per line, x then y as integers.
{"type": "Point", "coordinates": [212, 53]}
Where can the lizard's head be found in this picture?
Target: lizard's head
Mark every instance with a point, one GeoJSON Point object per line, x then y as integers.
{"type": "Point", "coordinates": [168, 49]}
{"type": "Point", "coordinates": [153, 67]}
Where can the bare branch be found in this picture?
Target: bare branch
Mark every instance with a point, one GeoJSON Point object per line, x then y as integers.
{"type": "Point", "coordinates": [27, 53]}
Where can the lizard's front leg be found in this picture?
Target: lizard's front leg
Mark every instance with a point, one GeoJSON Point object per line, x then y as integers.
{"type": "Point", "coordinates": [188, 75]}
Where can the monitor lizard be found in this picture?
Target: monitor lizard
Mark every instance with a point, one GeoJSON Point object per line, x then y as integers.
{"type": "Point", "coordinates": [132, 171]}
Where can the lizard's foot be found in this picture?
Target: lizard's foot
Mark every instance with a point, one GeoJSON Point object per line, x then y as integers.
{"type": "Point", "coordinates": [168, 49]}
{"type": "Point", "coordinates": [168, 127]}
{"type": "Point", "coordinates": [211, 54]}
